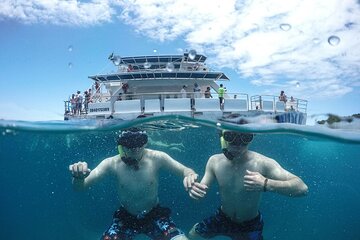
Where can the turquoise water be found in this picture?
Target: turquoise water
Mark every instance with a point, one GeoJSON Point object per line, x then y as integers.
{"type": "Point", "coordinates": [37, 200]}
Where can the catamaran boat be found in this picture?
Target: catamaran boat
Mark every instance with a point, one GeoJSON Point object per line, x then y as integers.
{"type": "Point", "coordinates": [144, 86]}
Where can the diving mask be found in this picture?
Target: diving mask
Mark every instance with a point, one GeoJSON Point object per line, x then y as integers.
{"type": "Point", "coordinates": [237, 139]}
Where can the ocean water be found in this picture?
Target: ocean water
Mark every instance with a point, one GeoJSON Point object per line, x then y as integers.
{"type": "Point", "coordinates": [37, 200]}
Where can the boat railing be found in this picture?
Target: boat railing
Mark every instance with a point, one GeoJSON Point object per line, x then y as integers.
{"type": "Point", "coordinates": [175, 102]}
{"type": "Point", "coordinates": [162, 102]}
{"type": "Point", "coordinates": [271, 103]}
{"type": "Point", "coordinates": [177, 67]}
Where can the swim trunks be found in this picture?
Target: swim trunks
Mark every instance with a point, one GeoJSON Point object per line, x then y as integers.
{"type": "Point", "coordinates": [156, 224]}
{"type": "Point", "coordinates": [220, 224]}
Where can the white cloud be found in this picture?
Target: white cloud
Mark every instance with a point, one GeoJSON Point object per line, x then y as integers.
{"type": "Point", "coordinates": [244, 35]}
{"type": "Point", "coordinates": [59, 12]}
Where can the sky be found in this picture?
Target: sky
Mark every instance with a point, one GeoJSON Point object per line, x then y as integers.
{"type": "Point", "coordinates": [308, 48]}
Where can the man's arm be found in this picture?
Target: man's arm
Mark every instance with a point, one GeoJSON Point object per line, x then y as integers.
{"type": "Point", "coordinates": [83, 177]}
{"type": "Point", "coordinates": [275, 179]}
{"type": "Point", "coordinates": [284, 182]}
{"type": "Point", "coordinates": [171, 164]}
{"type": "Point", "coordinates": [199, 190]}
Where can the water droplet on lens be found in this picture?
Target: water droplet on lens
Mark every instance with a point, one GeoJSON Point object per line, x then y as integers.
{"type": "Point", "coordinates": [170, 67]}
{"type": "Point", "coordinates": [70, 48]}
{"type": "Point", "coordinates": [116, 60]}
{"type": "Point", "coordinates": [297, 84]}
{"type": "Point", "coordinates": [316, 40]}
{"type": "Point", "coordinates": [333, 40]}
{"type": "Point", "coordinates": [147, 65]}
{"type": "Point", "coordinates": [70, 65]}
{"type": "Point", "coordinates": [285, 27]}
{"type": "Point", "coordinates": [192, 54]}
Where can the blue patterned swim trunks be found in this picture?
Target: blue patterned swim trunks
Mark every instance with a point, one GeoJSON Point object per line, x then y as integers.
{"type": "Point", "coordinates": [156, 224]}
{"type": "Point", "coordinates": [220, 224]}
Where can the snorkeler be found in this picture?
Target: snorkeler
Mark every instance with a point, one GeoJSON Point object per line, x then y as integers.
{"type": "Point", "coordinates": [242, 177]}
{"type": "Point", "coordinates": [136, 169]}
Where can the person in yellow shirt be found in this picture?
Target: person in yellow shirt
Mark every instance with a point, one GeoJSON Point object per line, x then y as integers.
{"type": "Point", "coordinates": [221, 92]}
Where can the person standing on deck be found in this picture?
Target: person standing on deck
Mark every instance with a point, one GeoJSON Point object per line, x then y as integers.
{"type": "Point", "coordinates": [221, 93]}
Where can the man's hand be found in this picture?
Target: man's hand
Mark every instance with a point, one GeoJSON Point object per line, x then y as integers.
{"type": "Point", "coordinates": [189, 180]}
{"type": "Point", "coordinates": [254, 181]}
{"type": "Point", "coordinates": [79, 170]}
{"type": "Point", "coordinates": [198, 190]}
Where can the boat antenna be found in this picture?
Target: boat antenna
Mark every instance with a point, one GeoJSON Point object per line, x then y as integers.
{"type": "Point", "coordinates": [111, 57]}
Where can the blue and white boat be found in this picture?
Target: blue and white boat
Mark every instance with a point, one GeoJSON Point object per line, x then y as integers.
{"type": "Point", "coordinates": [151, 86]}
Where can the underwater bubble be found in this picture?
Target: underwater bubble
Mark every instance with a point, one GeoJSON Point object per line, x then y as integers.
{"type": "Point", "coordinates": [170, 67]}
{"type": "Point", "coordinates": [70, 65]}
{"type": "Point", "coordinates": [147, 65]}
{"type": "Point", "coordinates": [70, 48]}
{"type": "Point", "coordinates": [285, 27]}
{"type": "Point", "coordinates": [218, 124]}
{"type": "Point", "coordinates": [192, 54]}
{"type": "Point", "coordinates": [297, 84]}
{"type": "Point", "coordinates": [116, 60]}
{"type": "Point", "coordinates": [155, 50]}
{"type": "Point", "coordinates": [333, 40]}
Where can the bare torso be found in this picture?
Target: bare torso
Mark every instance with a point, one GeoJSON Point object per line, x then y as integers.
{"type": "Point", "coordinates": [237, 203]}
{"type": "Point", "coordinates": [138, 189]}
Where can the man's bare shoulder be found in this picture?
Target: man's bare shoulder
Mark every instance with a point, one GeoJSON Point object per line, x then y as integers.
{"type": "Point", "coordinates": [111, 162]}
{"type": "Point", "coordinates": [262, 160]}
{"type": "Point", "coordinates": [216, 159]}
{"type": "Point", "coordinates": [218, 156]}
{"type": "Point", "coordinates": [154, 153]}
{"type": "Point", "coordinates": [259, 156]}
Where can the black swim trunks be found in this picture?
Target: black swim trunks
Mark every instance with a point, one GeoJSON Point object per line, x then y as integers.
{"type": "Point", "coordinates": [220, 224]}
{"type": "Point", "coordinates": [156, 224]}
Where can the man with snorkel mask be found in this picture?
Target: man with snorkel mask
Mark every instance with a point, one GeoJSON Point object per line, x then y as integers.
{"type": "Point", "coordinates": [136, 169]}
{"type": "Point", "coordinates": [242, 177]}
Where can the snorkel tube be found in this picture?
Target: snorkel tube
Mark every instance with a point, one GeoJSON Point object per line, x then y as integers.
{"type": "Point", "coordinates": [224, 147]}
{"type": "Point", "coordinates": [121, 151]}
{"type": "Point", "coordinates": [131, 162]}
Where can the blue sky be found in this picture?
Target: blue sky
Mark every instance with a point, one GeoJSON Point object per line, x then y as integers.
{"type": "Point", "coordinates": [48, 48]}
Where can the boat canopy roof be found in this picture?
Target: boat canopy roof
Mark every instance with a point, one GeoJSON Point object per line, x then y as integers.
{"type": "Point", "coordinates": [160, 75]}
{"type": "Point", "coordinates": [140, 60]}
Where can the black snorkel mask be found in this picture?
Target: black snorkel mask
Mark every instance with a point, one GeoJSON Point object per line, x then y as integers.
{"type": "Point", "coordinates": [131, 139]}
{"type": "Point", "coordinates": [234, 138]}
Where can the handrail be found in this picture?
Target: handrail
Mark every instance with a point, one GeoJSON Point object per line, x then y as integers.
{"type": "Point", "coordinates": [256, 102]}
